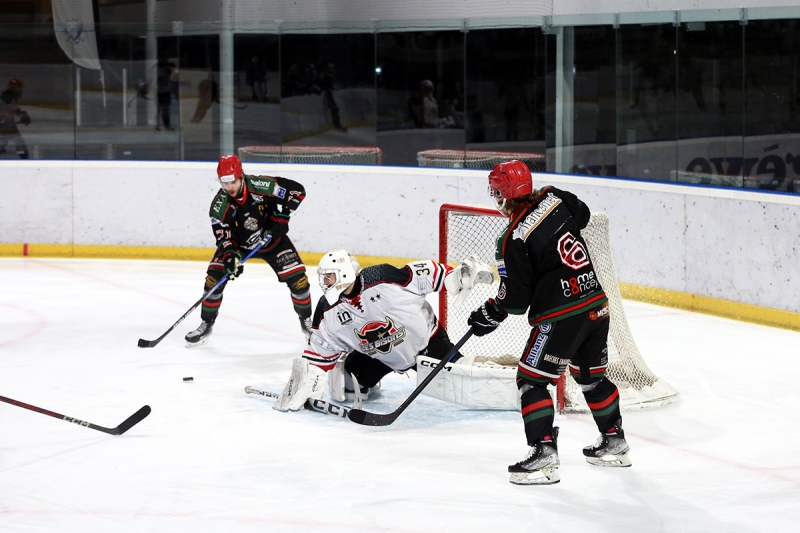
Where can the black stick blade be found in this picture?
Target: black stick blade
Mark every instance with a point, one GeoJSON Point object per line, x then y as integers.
{"type": "Point", "coordinates": [370, 419]}
{"type": "Point", "coordinates": [146, 344]}
{"type": "Point", "coordinates": [132, 420]}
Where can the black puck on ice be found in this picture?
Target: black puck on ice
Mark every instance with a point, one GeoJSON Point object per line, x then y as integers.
{"type": "Point", "coordinates": [188, 379]}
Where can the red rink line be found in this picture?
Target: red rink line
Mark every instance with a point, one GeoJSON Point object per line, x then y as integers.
{"type": "Point", "coordinates": [25, 249]}
{"type": "Point", "coordinates": [40, 324]}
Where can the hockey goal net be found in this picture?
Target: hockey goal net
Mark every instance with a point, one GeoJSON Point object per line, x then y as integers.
{"type": "Point", "coordinates": [481, 159]}
{"type": "Point", "coordinates": [468, 230]}
{"type": "Point", "coordinates": [333, 155]}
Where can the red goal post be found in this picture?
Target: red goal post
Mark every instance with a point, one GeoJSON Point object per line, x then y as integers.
{"type": "Point", "coordinates": [467, 230]}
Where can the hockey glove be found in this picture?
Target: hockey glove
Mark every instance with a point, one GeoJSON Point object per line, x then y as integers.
{"type": "Point", "coordinates": [232, 261]}
{"type": "Point", "coordinates": [279, 224]}
{"type": "Point", "coordinates": [460, 281]}
{"type": "Point", "coordinates": [486, 318]}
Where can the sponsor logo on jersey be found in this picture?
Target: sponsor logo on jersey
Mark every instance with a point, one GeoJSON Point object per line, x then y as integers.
{"type": "Point", "coordinates": [216, 221]}
{"type": "Point", "coordinates": [572, 252]}
{"type": "Point", "coordinates": [344, 317]}
{"type": "Point", "coordinates": [267, 184]}
{"type": "Point", "coordinates": [536, 351]}
{"type": "Point", "coordinates": [501, 268]}
{"type": "Point", "coordinates": [281, 192]}
{"type": "Point", "coordinates": [257, 198]}
{"type": "Point", "coordinates": [536, 216]}
{"type": "Point", "coordinates": [545, 328]}
{"type": "Point", "coordinates": [379, 337]}
{"type": "Point", "coordinates": [218, 204]}
{"type": "Point", "coordinates": [251, 223]}
{"type": "Point", "coordinates": [600, 313]}
{"type": "Point", "coordinates": [579, 284]}
{"type": "Point", "coordinates": [252, 241]}
{"type": "Point", "coordinates": [501, 292]}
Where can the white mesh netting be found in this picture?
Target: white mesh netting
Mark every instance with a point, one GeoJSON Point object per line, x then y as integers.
{"type": "Point", "coordinates": [466, 230]}
{"type": "Point", "coordinates": [334, 155]}
{"type": "Point", "coordinates": [479, 159]}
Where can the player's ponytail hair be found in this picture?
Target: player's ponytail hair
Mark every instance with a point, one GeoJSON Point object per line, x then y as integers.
{"type": "Point", "coordinates": [524, 202]}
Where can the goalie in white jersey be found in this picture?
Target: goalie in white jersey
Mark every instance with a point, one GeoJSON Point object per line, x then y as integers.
{"type": "Point", "coordinates": [369, 323]}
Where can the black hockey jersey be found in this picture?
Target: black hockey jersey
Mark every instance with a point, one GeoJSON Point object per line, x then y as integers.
{"type": "Point", "coordinates": [544, 263]}
{"type": "Point", "coordinates": [242, 223]}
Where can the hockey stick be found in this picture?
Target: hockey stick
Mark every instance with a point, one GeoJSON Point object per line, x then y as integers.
{"type": "Point", "coordinates": [320, 406]}
{"type": "Point", "coordinates": [372, 419]}
{"type": "Point", "coordinates": [149, 344]}
{"type": "Point", "coordinates": [129, 422]}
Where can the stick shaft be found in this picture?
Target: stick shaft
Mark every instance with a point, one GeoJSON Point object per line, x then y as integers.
{"type": "Point", "coordinates": [150, 344]}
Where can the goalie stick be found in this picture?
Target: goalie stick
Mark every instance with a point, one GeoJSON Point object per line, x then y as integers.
{"type": "Point", "coordinates": [129, 422]}
{"type": "Point", "coordinates": [373, 419]}
{"type": "Point", "coordinates": [150, 344]}
{"type": "Point", "coordinates": [320, 406]}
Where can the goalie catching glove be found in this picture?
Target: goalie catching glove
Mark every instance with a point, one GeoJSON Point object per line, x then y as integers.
{"type": "Point", "coordinates": [463, 278]}
{"type": "Point", "coordinates": [486, 318]}
{"type": "Point", "coordinates": [307, 382]}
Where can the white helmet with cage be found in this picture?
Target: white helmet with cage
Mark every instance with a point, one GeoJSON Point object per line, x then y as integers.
{"type": "Point", "coordinates": [337, 270]}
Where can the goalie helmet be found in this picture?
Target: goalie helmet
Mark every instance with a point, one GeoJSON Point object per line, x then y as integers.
{"type": "Point", "coordinates": [229, 168]}
{"type": "Point", "coordinates": [509, 180]}
{"type": "Point", "coordinates": [336, 271]}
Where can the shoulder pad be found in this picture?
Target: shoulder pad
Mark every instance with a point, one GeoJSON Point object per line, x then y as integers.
{"type": "Point", "coordinates": [265, 185]}
{"type": "Point", "coordinates": [219, 205]}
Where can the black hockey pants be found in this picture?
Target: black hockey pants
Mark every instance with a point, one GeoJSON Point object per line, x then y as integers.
{"type": "Point", "coordinates": [579, 342]}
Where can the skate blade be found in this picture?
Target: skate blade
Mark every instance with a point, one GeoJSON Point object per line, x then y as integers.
{"type": "Point", "coordinates": [201, 342]}
{"type": "Point", "coordinates": [610, 460]}
{"type": "Point", "coordinates": [545, 476]}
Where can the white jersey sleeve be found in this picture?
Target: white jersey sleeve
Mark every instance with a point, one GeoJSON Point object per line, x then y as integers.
{"type": "Point", "coordinates": [426, 276]}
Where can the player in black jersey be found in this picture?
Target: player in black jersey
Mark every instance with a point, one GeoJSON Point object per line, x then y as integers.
{"type": "Point", "coordinates": [244, 211]}
{"type": "Point", "coordinates": [545, 270]}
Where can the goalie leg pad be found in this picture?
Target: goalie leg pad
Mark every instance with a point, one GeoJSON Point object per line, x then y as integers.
{"type": "Point", "coordinates": [306, 382]}
{"type": "Point", "coordinates": [336, 380]}
{"type": "Point", "coordinates": [483, 387]}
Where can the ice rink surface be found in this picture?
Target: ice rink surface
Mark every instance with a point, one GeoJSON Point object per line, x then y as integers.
{"type": "Point", "coordinates": [211, 458]}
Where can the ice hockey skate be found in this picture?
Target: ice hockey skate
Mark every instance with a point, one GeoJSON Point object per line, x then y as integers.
{"type": "Point", "coordinates": [199, 336]}
{"type": "Point", "coordinates": [611, 449]}
{"type": "Point", "coordinates": [540, 467]}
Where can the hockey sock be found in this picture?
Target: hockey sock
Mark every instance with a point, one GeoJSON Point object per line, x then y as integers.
{"type": "Point", "coordinates": [301, 295]}
{"type": "Point", "coordinates": [603, 400]}
{"type": "Point", "coordinates": [210, 307]}
{"type": "Point", "coordinates": [538, 412]}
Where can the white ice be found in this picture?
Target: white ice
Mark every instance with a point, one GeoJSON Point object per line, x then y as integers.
{"type": "Point", "coordinates": [211, 458]}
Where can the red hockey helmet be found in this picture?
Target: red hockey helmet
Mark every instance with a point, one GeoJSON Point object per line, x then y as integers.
{"type": "Point", "coordinates": [510, 180]}
{"type": "Point", "coordinates": [15, 83]}
{"type": "Point", "coordinates": [229, 168]}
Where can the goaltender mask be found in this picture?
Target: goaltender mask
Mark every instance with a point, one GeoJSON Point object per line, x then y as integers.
{"type": "Point", "coordinates": [372, 322]}
{"type": "Point", "coordinates": [540, 258]}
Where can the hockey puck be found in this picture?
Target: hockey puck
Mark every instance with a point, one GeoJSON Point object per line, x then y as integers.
{"type": "Point", "coordinates": [188, 379]}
